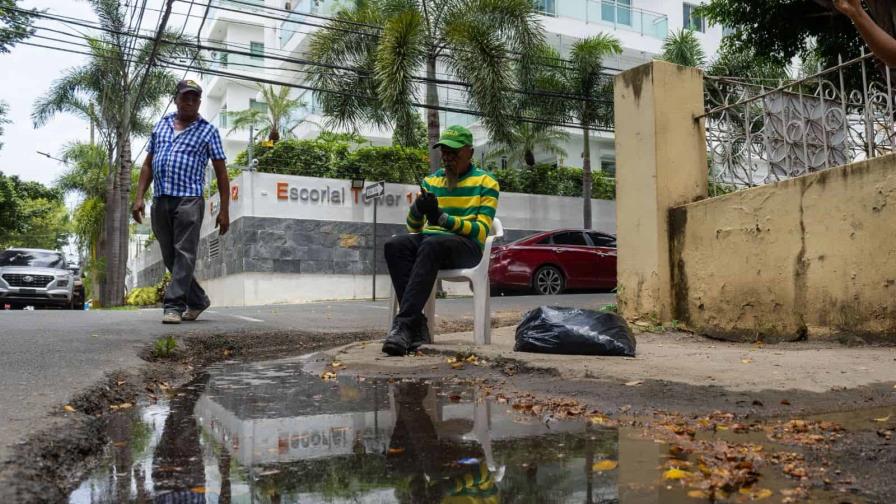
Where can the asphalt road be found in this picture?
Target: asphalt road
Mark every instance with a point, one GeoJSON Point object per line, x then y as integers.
{"type": "Point", "coordinates": [47, 356]}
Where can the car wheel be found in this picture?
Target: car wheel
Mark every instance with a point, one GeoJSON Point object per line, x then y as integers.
{"type": "Point", "coordinates": [548, 281]}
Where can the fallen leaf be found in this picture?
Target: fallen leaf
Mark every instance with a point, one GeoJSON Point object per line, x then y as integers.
{"type": "Point", "coordinates": [746, 361]}
{"type": "Point", "coordinates": [598, 419]}
{"type": "Point", "coordinates": [457, 365]}
{"type": "Point", "coordinates": [604, 465]}
{"type": "Point", "coordinates": [698, 494]}
{"type": "Point", "coordinates": [883, 419]}
{"type": "Point", "coordinates": [69, 408]}
{"type": "Point", "coordinates": [634, 383]}
{"type": "Point", "coordinates": [123, 405]}
{"type": "Point", "coordinates": [676, 474]}
{"type": "Point", "coordinates": [328, 375]}
{"type": "Point", "coordinates": [336, 364]}
{"type": "Point", "coordinates": [756, 494]}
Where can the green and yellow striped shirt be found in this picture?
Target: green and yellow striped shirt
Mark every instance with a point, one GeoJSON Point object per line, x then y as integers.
{"type": "Point", "coordinates": [470, 206]}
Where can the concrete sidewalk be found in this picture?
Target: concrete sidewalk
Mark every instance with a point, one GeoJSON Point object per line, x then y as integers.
{"type": "Point", "coordinates": [674, 357]}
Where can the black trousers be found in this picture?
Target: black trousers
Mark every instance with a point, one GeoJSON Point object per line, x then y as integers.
{"type": "Point", "coordinates": [176, 222]}
{"type": "Point", "coordinates": [414, 261]}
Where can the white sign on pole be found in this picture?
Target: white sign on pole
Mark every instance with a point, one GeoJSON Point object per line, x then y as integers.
{"type": "Point", "coordinates": [375, 190]}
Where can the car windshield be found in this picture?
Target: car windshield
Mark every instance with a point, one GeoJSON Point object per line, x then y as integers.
{"type": "Point", "coordinates": [32, 258]}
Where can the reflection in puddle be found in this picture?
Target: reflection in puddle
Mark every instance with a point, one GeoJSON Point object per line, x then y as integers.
{"type": "Point", "coordinates": [274, 433]}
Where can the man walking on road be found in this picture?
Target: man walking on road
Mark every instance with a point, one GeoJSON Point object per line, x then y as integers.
{"type": "Point", "coordinates": [449, 222]}
{"type": "Point", "coordinates": [179, 150]}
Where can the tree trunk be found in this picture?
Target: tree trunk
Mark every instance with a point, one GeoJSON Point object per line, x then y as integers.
{"type": "Point", "coordinates": [586, 179]}
{"type": "Point", "coordinates": [432, 115]}
{"type": "Point", "coordinates": [124, 194]}
{"type": "Point", "coordinates": [110, 230]}
{"type": "Point", "coordinates": [529, 156]}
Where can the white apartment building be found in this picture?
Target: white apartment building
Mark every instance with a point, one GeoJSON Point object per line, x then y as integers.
{"type": "Point", "coordinates": [641, 26]}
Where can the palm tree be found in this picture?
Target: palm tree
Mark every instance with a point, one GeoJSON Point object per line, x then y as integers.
{"type": "Point", "coordinates": [276, 120]}
{"type": "Point", "coordinates": [120, 92]}
{"type": "Point", "coordinates": [370, 72]}
{"type": "Point", "coordinates": [527, 138]}
{"type": "Point", "coordinates": [585, 79]}
{"type": "Point", "coordinates": [683, 48]}
{"type": "Point", "coordinates": [88, 168]}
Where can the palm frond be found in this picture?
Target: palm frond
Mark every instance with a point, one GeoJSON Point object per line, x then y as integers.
{"type": "Point", "coordinates": [683, 48]}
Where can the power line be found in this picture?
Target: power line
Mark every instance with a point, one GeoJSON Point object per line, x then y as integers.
{"type": "Point", "coordinates": [306, 62]}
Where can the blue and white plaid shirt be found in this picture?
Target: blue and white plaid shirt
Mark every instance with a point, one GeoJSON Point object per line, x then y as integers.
{"type": "Point", "coordinates": [179, 161]}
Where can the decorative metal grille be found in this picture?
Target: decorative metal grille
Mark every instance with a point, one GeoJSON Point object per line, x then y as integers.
{"type": "Point", "coordinates": [758, 135]}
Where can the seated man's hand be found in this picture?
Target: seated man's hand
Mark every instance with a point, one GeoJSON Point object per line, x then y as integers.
{"type": "Point", "coordinates": [426, 203]}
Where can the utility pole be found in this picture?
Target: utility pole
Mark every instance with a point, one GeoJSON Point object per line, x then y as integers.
{"type": "Point", "coordinates": [251, 150]}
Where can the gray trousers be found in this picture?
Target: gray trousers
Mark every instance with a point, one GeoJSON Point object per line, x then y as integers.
{"type": "Point", "coordinates": [176, 222]}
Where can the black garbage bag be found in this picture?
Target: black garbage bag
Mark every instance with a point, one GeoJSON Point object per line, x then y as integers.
{"type": "Point", "coordinates": [574, 331]}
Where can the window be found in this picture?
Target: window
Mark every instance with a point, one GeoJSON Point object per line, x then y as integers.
{"type": "Point", "coordinates": [570, 238]}
{"type": "Point", "coordinates": [608, 167]}
{"type": "Point", "coordinates": [257, 50]}
{"type": "Point", "coordinates": [257, 105]}
{"type": "Point", "coordinates": [616, 11]}
{"type": "Point", "coordinates": [546, 7]}
{"type": "Point", "coordinates": [503, 163]}
{"type": "Point", "coordinates": [222, 117]}
{"type": "Point", "coordinates": [691, 21]}
{"type": "Point", "coordinates": [602, 240]}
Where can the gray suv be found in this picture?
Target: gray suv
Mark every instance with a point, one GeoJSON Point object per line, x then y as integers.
{"type": "Point", "coordinates": [34, 277]}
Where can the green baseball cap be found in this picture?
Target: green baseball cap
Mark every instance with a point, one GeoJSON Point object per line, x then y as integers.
{"type": "Point", "coordinates": [455, 137]}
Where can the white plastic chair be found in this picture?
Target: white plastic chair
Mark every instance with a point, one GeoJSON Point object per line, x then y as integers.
{"type": "Point", "coordinates": [478, 278]}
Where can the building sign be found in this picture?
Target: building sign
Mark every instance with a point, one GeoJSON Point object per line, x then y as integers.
{"type": "Point", "coordinates": [326, 194]}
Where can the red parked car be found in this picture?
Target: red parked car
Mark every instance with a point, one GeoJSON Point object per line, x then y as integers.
{"type": "Point", "coordinates": [554, 261]}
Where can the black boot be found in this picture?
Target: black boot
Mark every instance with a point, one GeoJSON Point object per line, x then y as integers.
{"type": "Point", "coordinates": [399, 338]}
{"type": "Point", "coordinates": [420, 334]}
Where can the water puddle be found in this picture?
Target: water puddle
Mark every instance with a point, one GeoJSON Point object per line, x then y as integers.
{"type": "Point", "coordinates": [275, 432]}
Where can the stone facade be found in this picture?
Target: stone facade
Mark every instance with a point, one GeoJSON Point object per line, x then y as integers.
{"type": "Point", "coordinates": [271, 245]}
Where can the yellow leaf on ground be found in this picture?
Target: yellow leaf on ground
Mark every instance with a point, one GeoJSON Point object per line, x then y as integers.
{"type": "Point", "coordinates": [884, 419]}
{"type": "Point", "coordinates": [756, 493]}
{"type": "Point", "coordinates": [68, 408]}
{"type": "Point", "coordinates": [604, 465]}
{"type": "Point", "coordinates": [698, 494]}
{"type": "Point", "coordinates": [457, 365]}
{"type": "Point", "coordinates": [598, 419]}
{"type": "Point", "coordinates": [676, 474]}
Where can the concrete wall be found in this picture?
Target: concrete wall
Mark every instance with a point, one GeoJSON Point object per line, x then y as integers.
{"type": "Point", "coordinates": [661, 152]}
{"type": "Point", "coordinates": [288, 244]}
{"type": "Point", "coordinates": [813, 255]}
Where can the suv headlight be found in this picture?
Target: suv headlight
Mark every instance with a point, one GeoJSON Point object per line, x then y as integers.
{"type": "Point", "coordinates": [62, 282]}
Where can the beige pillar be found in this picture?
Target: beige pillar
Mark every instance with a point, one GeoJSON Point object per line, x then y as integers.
{"type": "Point", "coordinates": [661, 163]}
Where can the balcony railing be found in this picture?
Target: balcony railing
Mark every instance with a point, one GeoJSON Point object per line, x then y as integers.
{"type": "Point", "coordinates": [231, 6]}
{"type": "Point", "coordinates": [290, 26]}
{"type": "Point", "coordinates": [620, 15]}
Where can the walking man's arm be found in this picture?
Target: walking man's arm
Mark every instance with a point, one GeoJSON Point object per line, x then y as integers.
{"type": "Point", "coordinates": [222, 222]}
{"type": "Point", "coordinates": [882, 44]}
{"type": "Point", "coordinates": [139, 207]}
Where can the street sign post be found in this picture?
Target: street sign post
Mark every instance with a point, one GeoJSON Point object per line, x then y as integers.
{"type": "Point", "coordinates": [374, 192]}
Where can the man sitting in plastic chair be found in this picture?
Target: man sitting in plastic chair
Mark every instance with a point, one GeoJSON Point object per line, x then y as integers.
{"type": "Point", "coordinates": [449, 222]}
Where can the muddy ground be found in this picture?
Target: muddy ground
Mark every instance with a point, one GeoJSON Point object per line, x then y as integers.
{"type": "Point", "coordinates": [49, 465]}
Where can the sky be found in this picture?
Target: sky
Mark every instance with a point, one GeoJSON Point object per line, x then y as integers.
{"type": "Point", "coordinates": [27, 73]}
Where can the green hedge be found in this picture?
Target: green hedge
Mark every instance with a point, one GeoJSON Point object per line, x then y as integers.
{"type": "Point", "coordinates": [336, 159]}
